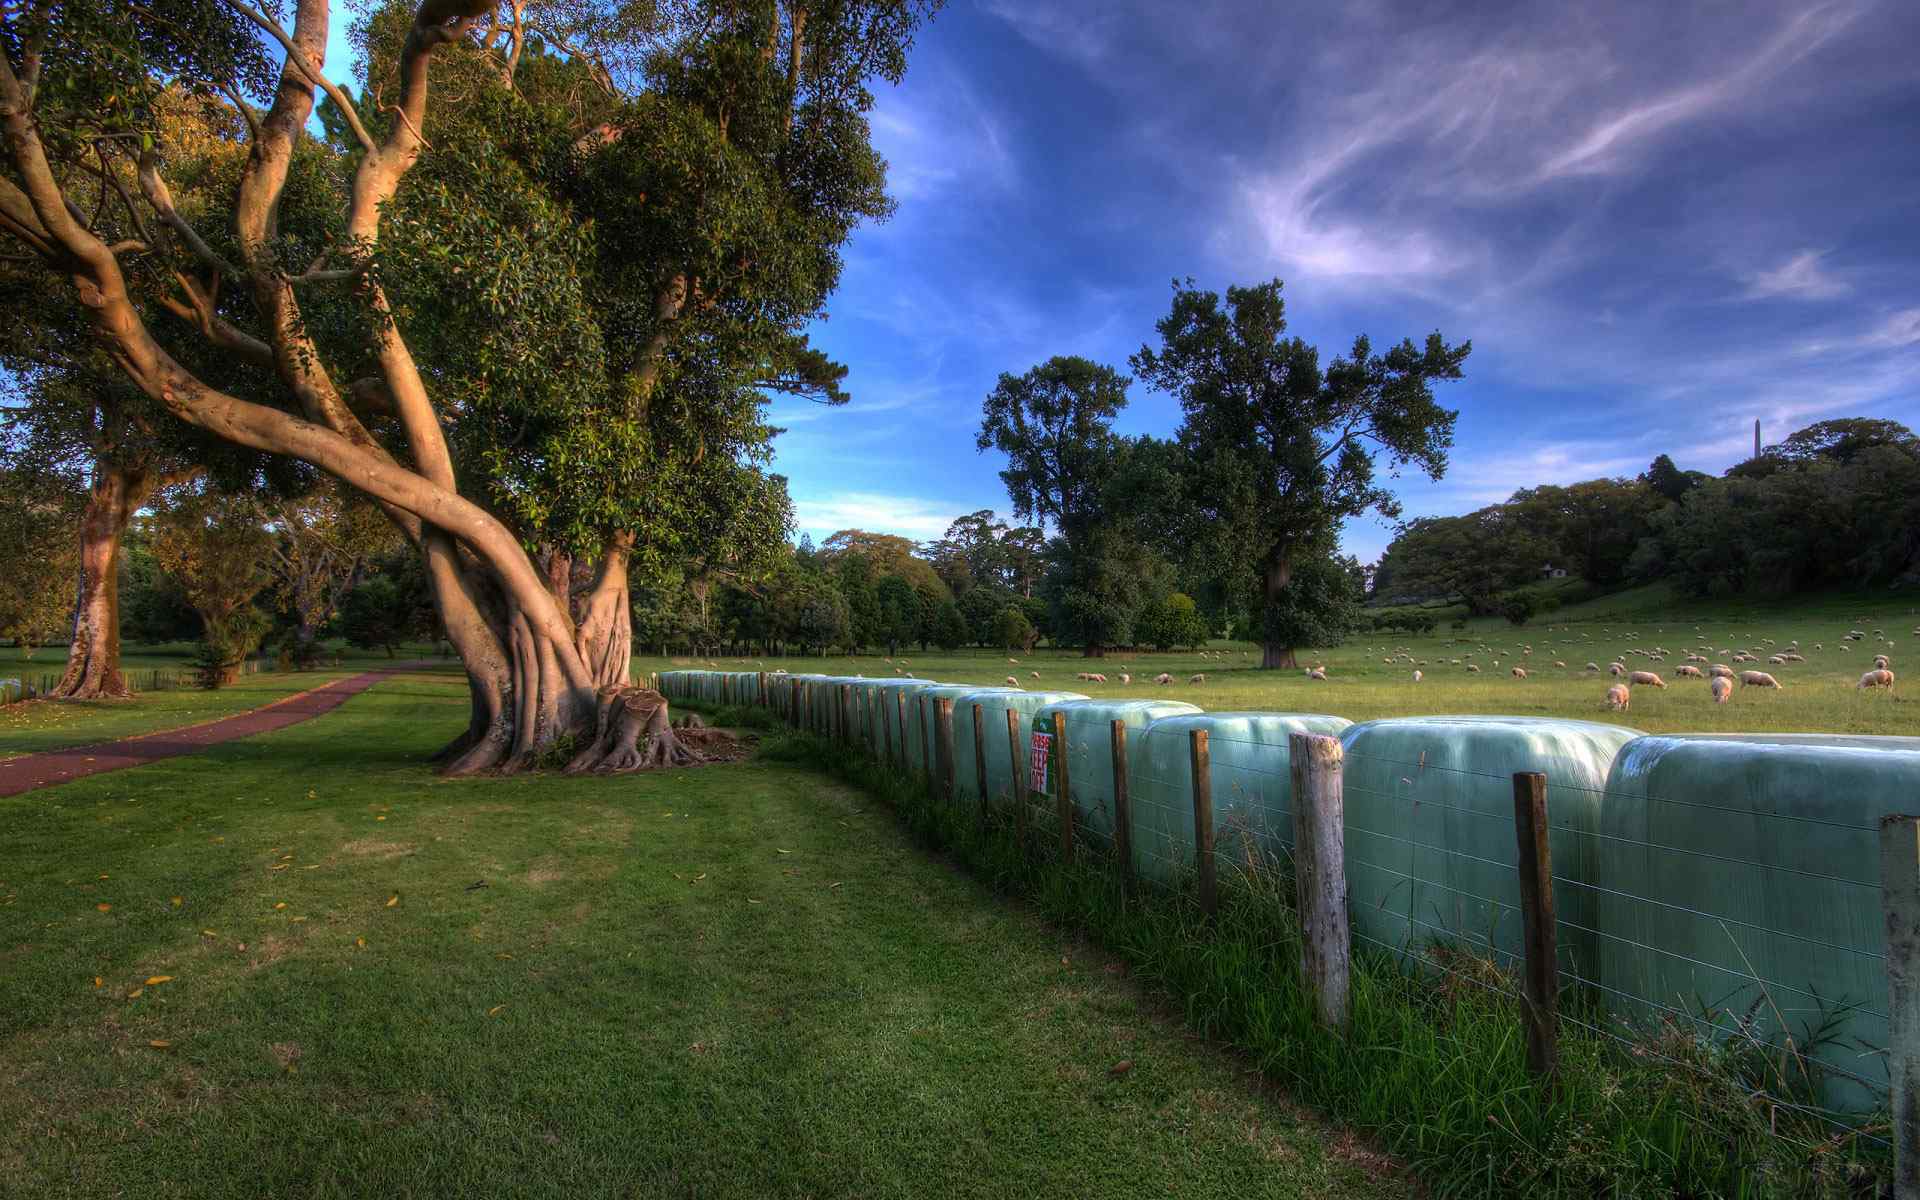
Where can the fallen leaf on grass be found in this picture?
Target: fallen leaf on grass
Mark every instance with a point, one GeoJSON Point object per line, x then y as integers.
{"type": "Point", "coordinates": [503, 957]}
{"type": "Point", "coordinates": [496, 1010]}
{"type": "Point", "coordinates": [699, 877]}
{"type": "Point", "coordinates": [135, 993]}
{"type": "Point", "coordinates": [360, 942]}
{"type": "Point", "coordinates": [778, 850]}
{"type": "Point", "coordinates": [1120, 1068]}
{"type": "Point", "coordinates": [296, 920]}
{"type": "Point", "coordinates": [379, 818]}
{"type": "Point", "coordinates": [279, 906]}
{"type": "Point", "coordinates": [97, 981]}
{"type": "Point", "coordinates": [160, 1043]}
{"type": "Point", "coordinates": [751, 900]}
{"type": "Point", "coordinates": [208, 933]}
{"type": "Point", "coordinates": [157, 980]}
{"type": "Point", "coordinates": [392, 901]}
{"type": "Point", "coordinates": [177, 902]}
{"type": "Point", "coordinates": [278, 867]}
{"type": "Point", "coordinates": [831, 886]}
{"type": "Point", "coordinates": [104, 907]}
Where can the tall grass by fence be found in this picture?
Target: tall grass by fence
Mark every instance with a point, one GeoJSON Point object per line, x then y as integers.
{"type": "Point", "coordinates": [1772, 1076]}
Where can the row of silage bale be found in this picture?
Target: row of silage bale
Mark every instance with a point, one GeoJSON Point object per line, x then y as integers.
{"type": "Point", "coordinates": [1700, 873]}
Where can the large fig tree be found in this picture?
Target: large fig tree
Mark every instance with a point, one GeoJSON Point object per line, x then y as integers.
{"type": "Point", "coordinates": [545, 317]}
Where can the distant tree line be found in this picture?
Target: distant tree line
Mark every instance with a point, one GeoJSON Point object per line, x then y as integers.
{"type": "Point", "coordinates": [1835, 504]}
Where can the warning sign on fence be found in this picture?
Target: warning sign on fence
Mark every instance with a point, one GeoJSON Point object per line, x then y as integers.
{"type": "Point", "coordinates": [1037, 770]}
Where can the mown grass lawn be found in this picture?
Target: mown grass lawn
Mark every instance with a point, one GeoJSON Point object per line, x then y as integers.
{"type": "Point", "coordinates": [302, 965]}
{"type": "Point", "coordinates": [37, 725]}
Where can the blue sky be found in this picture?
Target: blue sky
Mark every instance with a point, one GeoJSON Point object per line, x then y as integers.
{"type": "Point", "coordinates": [1656, 223]}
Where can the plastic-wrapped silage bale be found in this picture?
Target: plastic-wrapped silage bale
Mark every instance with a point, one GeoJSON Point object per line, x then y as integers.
{"type": "Point", "coordinates": [1741, 878]}
{"type": "Point", "coordinates": [894, 700]}
{"type": "Point", "coordinates": [1089, 727]}
{"type": "Point", "coordinates": [920, 720]}
{"type": "Point", "coordinates": [1431, 852]}
{"type": "Point", "coordinates": [1251, 777]}
{"type": "Point", "coordinates": [993, 709]}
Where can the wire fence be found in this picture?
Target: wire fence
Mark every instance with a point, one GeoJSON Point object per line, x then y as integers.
{"type": "Point", "coordinates": [1691, 922]}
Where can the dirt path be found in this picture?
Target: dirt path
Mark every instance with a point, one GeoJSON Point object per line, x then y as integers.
{"type": "Point", "coordinates": [29, 771]}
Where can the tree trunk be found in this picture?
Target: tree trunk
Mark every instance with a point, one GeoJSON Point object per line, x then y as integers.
{"type": "Point", "coordinates": [1273, 655]}
{"type": "Point", "coordinates": [604, 635]}
{"type": "Point", "coordinates": [93, 658]}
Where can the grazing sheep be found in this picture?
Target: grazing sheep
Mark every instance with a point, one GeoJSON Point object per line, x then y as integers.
{"type": "Point", "coordinates": [1012, 682]}
{"type": "Point", "coordinates": [1035, 674]}
{"type": "Point", "coordinates": [1014, 661]}
{"type": "Point", "coordinates": [1594, 667]}
{"type": "Point", "coordinates": [1163, 678]}
{"type": "Point", "coordinates": [1319, 673]}
{"type": "Point", "coordinates": [1416, 677]}
{"type": "Point", "coordinates": [1558, 663]}
{"type": "Point", "coordinates": [1721, 687]}
{"type": "Point", "coordinates": [1720, 671]}
{"type": "Point", "coordinates": [1616, 669]}
{"type": "Point", "coordinates": [1646, 679]}
{"type": "Point", "coordinates": [1881, 662]}
{"type": "Point", "coordinates": [1197, 679]}
{"type": "Point", "coordinates": [1758, 679]}
{"type": "Point", "coordinates": [1125, 678]}
{"type": "Point", "coordinates": [1618, 698]}
{"type": "Point", "coordinates": [1794, 657]}
{"type": "Point", "coordinates": [1472, 670]}
{"type": "Point", "coordinates": [1684, 671]}
{"type": "Point", "coordinates": [1881, 678]}
{"type": "Point", "coordinates": [1519, 672]}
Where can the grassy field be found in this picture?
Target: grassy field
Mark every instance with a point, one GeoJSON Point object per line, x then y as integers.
{"type": "Point", "coordinates": [36, 725]}
{"type": "Point", "coordinates": [1817, 696]}
{"type": "Point", "coordinates": [303, 965]}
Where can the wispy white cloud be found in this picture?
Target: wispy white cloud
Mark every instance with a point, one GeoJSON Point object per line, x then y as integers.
{"type": "Point", "coordinates": [942, 137]}
{"type": "Point", "coordinates": [916, 517]}
{"type": "Point", "coordinates": [1800, 277]}
{"type": "Point", "coordinates": [1077, 33]}
{"type": "Point", "coordinates": [1895, 331]}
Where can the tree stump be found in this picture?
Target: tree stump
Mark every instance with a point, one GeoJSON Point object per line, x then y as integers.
{"type": "Point", "coordinates": [634, 733]}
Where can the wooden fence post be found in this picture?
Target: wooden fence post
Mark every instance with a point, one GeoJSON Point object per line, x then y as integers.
{"type": "Point", "coordinates": [1320, 873]}
{"type": "Point", "coordinates": [1065, 800]}
{"type": "Point", "coordinates": [900, 717]}
{"type": "Point", "coordinates": [980, 761]}
{"type": "Point", "coordinates": [943, 746]}
{"type": "Point", "coordinates": [920, 725]}
{"type": "Point", "coordinates": [845, 713]}
{"type": "Point", "coordinates": [760, 688]}
{"type": "Point", "coordinates": [1542, 975]}
{"type": "Point", "coordinates": [1900, 895]}
{"type": "Point", "coordinates": [1122, 807]}
{"type": "Point", "coordinates": [1200, 757]}
{"type": "Point", "coordinates": [1019, 763]}
{"type": "Point", "coordinates": [886, 729]}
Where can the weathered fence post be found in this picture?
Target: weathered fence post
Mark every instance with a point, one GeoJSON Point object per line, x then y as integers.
{"type": "Point", "coordinates": [1018, 762]}
{"type": "Point", "coordinates": [1320, 873]}
{"type": "Point", "coordinates": [886, 729]}
{"type": "Point", "coordinates": [1542, 975]}
{"type": "Point", "coordinates": [760, 689]}
{"type": "Point", "coordinates": [846, 714]}
{"type": "Point", "coordinates": [1122, 807]}
{"type": "Point", "coordinates": [943, 746]}
{"type": "Point", "coordinates": [900, 718]}
{"type": "Point", "coordinates": [980, 761]}
{"type": "Point", "coordinates": [920, 723]}
{"type": "Point", "coordinates": [1200, 756]}
{"type": "Point", "coordinates": [1065, 801]}
{"type": "Point", "coordinates": [1900, 895]}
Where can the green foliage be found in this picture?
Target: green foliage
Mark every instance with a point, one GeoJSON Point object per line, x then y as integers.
{"type": "Point", "coordinates": [949, 626]}
{"type": "Point", "coordinates": [378, 615]}
{"type": "Point", "coordinates": [39, 554]}
{"type": "Point", "coordinates": [1473, 559]}
{"type": "Point", "coordinates": [898, 609]}
{"type": "Point", "coordinates": [217, 550]}
{"type": "Point", "coordinates": [1012, 630]}
{"type": "Point", "coordinates": [1171, 624]}
{"type": "Point", "coordinates": [1519, 607]}
{"type": "Point", "coordinates": [1280, 451]}
{"type": "Point", "coordinates": [1320, 606]}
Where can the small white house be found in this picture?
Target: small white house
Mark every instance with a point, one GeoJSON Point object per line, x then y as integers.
{"type": "Point", "coordinates": [1552, 572]}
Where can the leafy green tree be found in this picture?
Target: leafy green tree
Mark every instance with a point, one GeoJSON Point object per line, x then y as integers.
{"type": "Point", "coordinates": [949, 626]}
{"type": "Point", "coordinates": [561, 332]}
{"type": "Point", "coordinates": [980, 607]}
{"type": "Point", "coordinates": [217, 548]}
{"type": "Point", "coordinates": [1281, 450]}
{"type": "Point", "coordinates": [898, 606]}
{"type": "Point", "coordinates": [1471, 559]}
{"type": "Point", "coordinates": [38, 509]}
{"type": "Point", "coordinates": [1012, 630]}
{"type": "Point", "coordinates": [376, 615]}
{"type": "Point", "coordinates": [1055, 425]}
{"type": "Point", "coordinates": [1320, 608]}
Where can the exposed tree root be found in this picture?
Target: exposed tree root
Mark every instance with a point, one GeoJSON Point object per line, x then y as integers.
{"type": "Point", "coordinates": [635, 733]}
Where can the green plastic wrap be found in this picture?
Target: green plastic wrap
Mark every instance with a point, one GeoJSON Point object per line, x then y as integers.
{"type": "Point", "coordinates": [1089, 726]}
{"type": "Point", "coordinates": [1430, 842]}
{"type": "Point", "coordinates": [994, 705]}
{"type": "Point", "coordinates": [1743, 881]}
{"type": "Point", "coordinates": [1252, 786]}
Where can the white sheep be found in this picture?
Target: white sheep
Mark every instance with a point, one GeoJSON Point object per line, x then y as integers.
{"type": "Point", "coordinates": [1197, 679]}
{"type": "Point", "coordinates": [1618, 698]}
{"type": "Point", "coordinates": [1519, 672]}
{"type": "Point", "coordinates": [1720, 671]}
{"type": "Point", "coordinates": [1881, 662]}
{"type": "Point", "coordinates": [1646, 679]}
{"type": "Point", "coordinates": [1594, 667]}
{"type": "Point", "coordinates": [1416, 677]}
{"type": "Point", "coordinates": [1721, 687]}
{"type": "Point", "coordinates": [1685, 671]}
{"type": "Point", "coordinates": [1472, 669]}
{"type": "Point", "coordinates": [1758, 679]}
{"type": "Point", "coordinates": [1125, 678]}
{"type": "Point", "coordinates": [1616, 669]}
{"type": "Point", "coordinates": [1035, 674]}
{"type": "Point", "coordinates": [1012, 682]}
{"type": "Point", "coordinates": [1881, 678]}
{"type": "Point", "coordinates": [1163, 678]}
